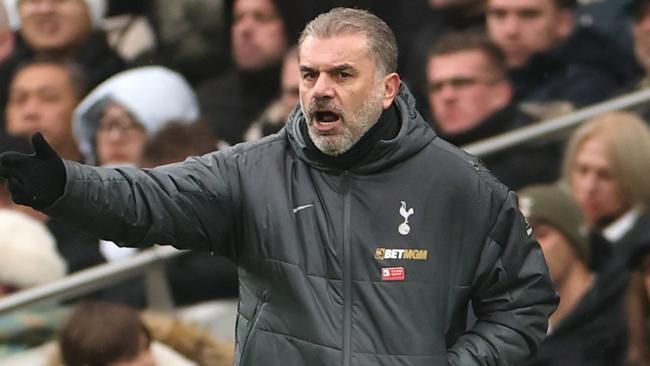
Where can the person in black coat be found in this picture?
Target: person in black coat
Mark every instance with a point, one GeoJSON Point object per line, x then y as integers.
{"type": "Point", "coordinates": [589, 326]}
{"type": "Point", "coordinates": [550, 59]}
{"type": "Point", "coordinates": [605, 165]}
{"type": "Point", "coordinates": [261, 32]}
{"type": "Point", "coordinates": [470, 98]}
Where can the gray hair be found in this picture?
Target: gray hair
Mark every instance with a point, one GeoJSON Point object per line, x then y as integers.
{"type": "Point", "coordinates": [381, 40]}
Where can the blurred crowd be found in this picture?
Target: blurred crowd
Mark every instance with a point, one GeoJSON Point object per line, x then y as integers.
{"type": "Point", "coordinates": [142, 83]}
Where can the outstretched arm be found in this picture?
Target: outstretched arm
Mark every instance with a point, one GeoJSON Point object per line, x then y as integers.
{"type": "Point", "coordinates": [188, 205]}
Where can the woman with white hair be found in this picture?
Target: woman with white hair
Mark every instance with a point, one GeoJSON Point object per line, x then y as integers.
{"type": "Point", "coordinates": [606, 167]}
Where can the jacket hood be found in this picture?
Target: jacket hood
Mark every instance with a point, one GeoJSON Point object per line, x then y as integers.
{"type": "Point", "coordinates": [414, 134]}
{"type": "Point", "coordinates": [154, 95]}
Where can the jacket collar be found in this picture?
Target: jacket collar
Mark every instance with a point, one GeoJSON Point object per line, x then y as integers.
{"type": "Point", "coordinates": [414, 134]}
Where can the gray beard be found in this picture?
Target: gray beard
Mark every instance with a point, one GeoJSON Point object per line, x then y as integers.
{"type": "Point", "coordinates": [353, 128]}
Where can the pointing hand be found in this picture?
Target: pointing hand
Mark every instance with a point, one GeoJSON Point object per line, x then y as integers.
{"type": "Point", "coordinates": [37, 179]}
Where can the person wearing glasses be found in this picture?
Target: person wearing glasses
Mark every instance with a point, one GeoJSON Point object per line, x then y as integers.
{"type": "Point", "coordinates": [471, 98]}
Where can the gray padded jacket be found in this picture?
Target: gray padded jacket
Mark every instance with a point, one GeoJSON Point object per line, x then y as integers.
{"type": "Point", "coordinates": [375, 265]}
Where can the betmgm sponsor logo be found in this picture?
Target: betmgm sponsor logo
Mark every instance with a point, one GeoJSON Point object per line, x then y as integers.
{"type": "Point", "coordinates": [408, 254]}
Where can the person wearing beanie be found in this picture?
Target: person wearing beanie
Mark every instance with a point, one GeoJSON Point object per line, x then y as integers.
{"type": "Point", "coordinates": [589, 325]}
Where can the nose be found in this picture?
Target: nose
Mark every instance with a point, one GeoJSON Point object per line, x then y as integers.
{"type": "Point", "coordinates": [244, 25]}
{"type": "Point", "coordinates": [324, 87]}
{"type": "Point", "coordinates": [511, 26]}
{"type": "Point", "coordinates": [31, 108]}
{"type": "Point", "coordinates": [589, 184]}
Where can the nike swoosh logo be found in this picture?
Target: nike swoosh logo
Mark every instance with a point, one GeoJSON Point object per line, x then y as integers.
{"type": "Point", "coordinates": [299, 208]}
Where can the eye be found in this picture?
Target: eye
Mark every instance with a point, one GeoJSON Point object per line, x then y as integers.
{"type": "Point", "coordinates": [344, 75]}
{"type": "Point", "coordinates": [309, 75]}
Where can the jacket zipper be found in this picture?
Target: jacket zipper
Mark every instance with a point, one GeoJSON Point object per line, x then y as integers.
{"type": "Point", "coordinates": [347, 280]}
{"type": "Point", "coordinates": [256, 315]}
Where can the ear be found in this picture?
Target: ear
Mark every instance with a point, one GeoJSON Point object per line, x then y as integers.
{"type": "Point", "coordinates": [391, 82]}
{"type": "Point", "coordinates": [502, 94]}
{"type": "Point", "coordinates": [566, 21]}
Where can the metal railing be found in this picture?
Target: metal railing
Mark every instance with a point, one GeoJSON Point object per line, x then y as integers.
{"type": "Point", "coordinates": [555, 126]}
{"type": "Point", "coordinates": [150, 262]}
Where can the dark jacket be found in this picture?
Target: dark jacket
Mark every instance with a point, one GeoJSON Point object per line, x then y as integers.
{"type": "Point", "coordinates": [530, 163]}
{"type": "Point", "coordinates": [232, 101]}
{"type": "Point", "coordinates": [578, 71]}
{"type": "Point", "coordinates": [374, 265]}
{"type": "Point", "coordinates": [595, 332]}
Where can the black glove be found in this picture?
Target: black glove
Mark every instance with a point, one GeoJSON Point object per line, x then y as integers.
{"type": "Point", "coordinates": [35, 180]}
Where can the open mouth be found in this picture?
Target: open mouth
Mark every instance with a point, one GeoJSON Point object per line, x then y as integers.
{"type": "Point", "coordinates": [325, 117]}
{"type": "Point", "coordinates": [325, 120]}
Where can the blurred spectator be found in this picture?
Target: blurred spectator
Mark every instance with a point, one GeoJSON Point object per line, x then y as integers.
{"type": "Point", "coordinates": [276, 114]}
{"type": "Point", "coordinates": [66, 30]}
{"type": "Point", "coordinates": [639, 11]}
{"type": "Point", "coordinates": [589, 326]}
{"type": "Point", "coordinates": [191, 37]}
{"type": "Point", "coordinates": [42, 97]}
{"type": "Point", "coordinates": [442, 16]}
{"type": "Point", "coordinates": [606, 165]}
{"type": "Point", "coordinates": [176, 141]}
{"type": "Point", "coordinates": [471, 99]}
{"type": "Point", "coordinates": [29, 258]}
{"type": "Point", "coordinates": [552, 60]}
{"type": "Point", "coordinates": [606, 17]}
{"type": "Point", "coordinates": [112, 126]}
{"type": "Point", "coordinates": [259, 38]}
{"type": "Point", "coordinates": [113, 123]}
{"type": "Point", "coordinates": [113, 335]}
{"type": "Point", "coordinates": [148, 116]}
{"type": "Point", "coordinates": [7, 40]}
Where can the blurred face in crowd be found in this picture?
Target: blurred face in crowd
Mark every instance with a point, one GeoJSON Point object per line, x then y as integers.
{"type": "Point", "coordinates": [522, 28]}
{"type": "Point", "coordinates": [290, 79]}
{"type": "Point", "coordinates": [641, 30]}
{"type": "Point", "coordinates": [42, 98]}
{"type": "Point", "coordinates": [6, 35]}
{"type": "Point", "coordinates": [54, 25]}
{"type": "Point", "coordinates": [558, 252]}
{"type": "Point", "coordinates": [594, 183]}
{"type": "Point", "coordinates": [342, 92]}
{"type": "Point", "coordinates": [257, 34]}
{"type": "Point", "coordinates": [463, 90]}
{"type": "Point", "coordinates": [120, 138]}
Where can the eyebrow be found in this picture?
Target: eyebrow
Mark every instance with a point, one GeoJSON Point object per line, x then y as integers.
{"type": "Point", "coordinates": [334, 69]}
